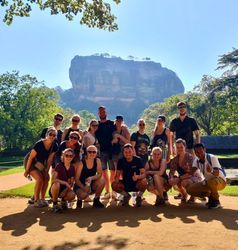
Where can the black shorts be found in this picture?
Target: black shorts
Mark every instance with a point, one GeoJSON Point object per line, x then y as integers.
{"type": "Point", "coordinates": [76, 188]}
{"type": "Point", "coordinates": [62, 189]}
{"type": "Point", "coordinates": [130, 186]}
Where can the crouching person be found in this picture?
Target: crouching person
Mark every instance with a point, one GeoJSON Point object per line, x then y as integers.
{"type": "Point", "coordinates": [215, 179]}
{"type": "Point", "coordinates": [62, 181]}
{"type": "Point", "coordinates": [156, 176]}
{"type": "Point", "coordinates": [130, 169]}
{"type": "Point", "coordinates": [88, 179]}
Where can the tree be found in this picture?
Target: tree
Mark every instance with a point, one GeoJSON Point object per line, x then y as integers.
{"type": "Point", "coordinates": [95, 13]}
{"type": "Point", "coordinates": [26, 106]}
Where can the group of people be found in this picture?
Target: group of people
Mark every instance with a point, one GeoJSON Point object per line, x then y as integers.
{"type": "Point", "coordinates": [80, 161]}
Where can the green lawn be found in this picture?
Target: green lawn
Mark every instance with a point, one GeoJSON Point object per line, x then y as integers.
{"type": "Point", "coordinates": [227, 156]}
{"type": "Point", "coordinates": [12, 171]}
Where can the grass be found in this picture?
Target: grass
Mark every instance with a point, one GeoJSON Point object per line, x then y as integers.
{"type": "Point", "coordinates": [227, 156]}
{"type": "Point", "coordinates": [11, 171]}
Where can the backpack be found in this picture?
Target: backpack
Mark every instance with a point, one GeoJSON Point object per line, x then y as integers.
{"type": "Point", "coordinates": [210, 162]}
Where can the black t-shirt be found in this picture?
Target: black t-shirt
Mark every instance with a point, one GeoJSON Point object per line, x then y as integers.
{"type": "Point", "coordinates": [43, 154]}
{"type": "Point", "coordinates": [58, 138]}
{"type": "Point", "coordinates": [184, 129]}
{"type": "Point", "coordinates": [142, 143]}
{"type": "Point", "coordinates": [104, 135]}
{"type": "Point", "coordinates": [129, 168]}
{"type": "Point", "coordinates": [160, 140]}
{"type": "Point", "coordinates": [63, 173]}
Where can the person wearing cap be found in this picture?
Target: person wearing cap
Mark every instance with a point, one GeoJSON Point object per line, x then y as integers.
{"type": "Point", "coordinates": [120, 137]}
{"type": "Point", "coordinates": [184, 127]}
{"type": "Point", "coordinates": [130, 176]}
{"type": "Point", "coordinates": [104, 135]}
{"type": "Point", "coordinates": [161, 137]}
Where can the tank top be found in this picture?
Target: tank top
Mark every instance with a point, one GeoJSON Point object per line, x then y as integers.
{"type": "Point", "coordinates": [70, 130]}
{"type": "Point", "coordinates": [160, 140]}
{"type": "Point", "coordinates": [88, 172]}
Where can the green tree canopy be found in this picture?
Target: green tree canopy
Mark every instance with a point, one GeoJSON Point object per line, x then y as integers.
{"type": "Point", "coordinates": [95, 13]}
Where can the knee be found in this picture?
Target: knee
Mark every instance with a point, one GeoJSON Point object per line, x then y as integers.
{"type": "Point", "coordinates": [55, 186]}
{"type": "Point", "coordinates": [71, 196]}
{"type": "Point", "coordinates": [141, 185]}
{"type": "Point", "coordinates": [117, 186]}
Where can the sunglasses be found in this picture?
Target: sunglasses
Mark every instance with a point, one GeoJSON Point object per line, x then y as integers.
{"type": "Point", "coordinates": [92, 152]}
{"type": "Point", "coordinates": [52, 134]}
{"type": "Point", "coordinates": [74, 137]}
{"type": "Point", "coordinates": [182, 107]}
{"type": "Point", "coordinates": [58, 119]}
{"type": "Point", "coordinates": [141, 124]}
{"type": "Point", "coordinates": [75, 120]}
{"type": "Point", "coordinates": [68, 156]}
{"type": "Point", "coordinates": [94, 125]}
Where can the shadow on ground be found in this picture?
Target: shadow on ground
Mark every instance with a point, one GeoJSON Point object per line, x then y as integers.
{"type": "Point", "coordinates": [92, 219]}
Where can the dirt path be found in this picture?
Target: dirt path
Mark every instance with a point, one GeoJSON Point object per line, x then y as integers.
{"type": "Point", "coordinates": [148, 227]}
{"type": "Point", "coordinates": [12, 181]}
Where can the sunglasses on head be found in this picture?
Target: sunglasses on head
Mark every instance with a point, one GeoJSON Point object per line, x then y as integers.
{"type": "Point", "coordinates": [68, 156]}
{"type": "Point", "coordinates": [75, 120]}
{"type": "Point", "coordinates": [58, 119]}
{"type": "Point", "coordinates": [52, 134]}
{"type": "Point", "coordinates": [73, 137]}
{"type": "Point", "coordinates": [91, 152]}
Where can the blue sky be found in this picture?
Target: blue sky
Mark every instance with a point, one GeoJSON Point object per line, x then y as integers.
{"type": "Point", "coordinates": [186, 36]}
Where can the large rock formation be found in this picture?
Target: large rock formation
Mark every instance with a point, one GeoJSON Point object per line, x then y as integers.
{"type": "Point", "coordinates": [124, 86]}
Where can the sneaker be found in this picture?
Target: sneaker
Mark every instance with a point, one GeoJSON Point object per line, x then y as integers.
{"type": "Point", "coordinates": [106, 196]}
{"type": "Point", "coordinates": [125, 201]}
{"type": "Point", "coordinates": [44, 203]}
{"type": "Point", "coordinates": [214, 204]}
{"type": "Point", "coordinates": [38, 204]}
{"type": "Point", "coordinates": [178, 197]}
{"type": "Point", "coordinates": [191, 200]}
{"type": "Point", "coordinates": [64, 205]}
{"type": "Point", "coordinates": [138, 201]}
{"type": "Point", "coordinates": [159, 201]}
{"type": "Point", "coordinates": [31, 200]}
{"type": "Point", "coordinates": [114, 195]}
{"type": "Point", "coordinates": [183, 200]}
{"type": "Point", "coordinates": [165, 195]}
{"type": "Point", "coordinates": [209, 201]}
{"type": "Point", "coordinates": [97, 203]}
{"type": "Point", "coordinates": [56, 208]}
{"type": "Point", "coordinates": [79, 204]}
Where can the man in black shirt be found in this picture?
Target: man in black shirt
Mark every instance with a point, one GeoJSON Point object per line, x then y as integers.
{"type": "Point", "coordinates": [133, 176]}
{"type": "Point", "coordinates": [58, 119]}
{"type": "Point", "coordinates": [184, 127]}
{"type": "Point", "coordinates": [104, 136]}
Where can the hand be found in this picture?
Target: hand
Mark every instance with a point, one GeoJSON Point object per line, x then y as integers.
{"type": "Point", "coordinates": [135, 177]}
{"type": "Point", "coordinates": [67, 185]}
{"type": "Point", "coordinates": [215, 172]}
{"type": "Point", "coordinates": [26, 173]}
{"type": "Point", "coordinates": [208, 168]}
{"type": "Point", "coordinates": [88, 180]}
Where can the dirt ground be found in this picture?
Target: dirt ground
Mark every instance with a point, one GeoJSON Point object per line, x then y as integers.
{"type": "Point", "coordinates": [173, 226]}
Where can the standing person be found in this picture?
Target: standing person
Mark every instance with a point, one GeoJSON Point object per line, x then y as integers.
{"type": "Point", "coordinates": [156, 176]}
{"type": "Point", "coordinates": [104, 135]}
{"type": "Point", "coordinates": [140, 142]}
{"type": "Point", "coordinates": [161, 137]}
{"type": "Point", "coordinates": [131, 170]}
{"type": "Point", "coordinates": [75, 121]}
{"type": "Point", "coordinates": [215, 179]}
{"type": "Point", "coordinates": [89, 179]}
{"type": "Point", "coordinates": [38, 165]}
{"type": "Point", "coordinates": [184, 127]}
{"type": "Point", "coordinates": [90, 137]}
{"type": "Point", "coordinates": [62, 181]}
{"type": "Point", "coordinates": [58, 119]}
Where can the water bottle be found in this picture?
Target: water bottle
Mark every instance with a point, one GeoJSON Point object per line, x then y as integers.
{"type": "Point", "coordinates": [88, 185]}
{"type": "Point", "coordinates": [29, 178]}
{"type": "Point", "coordinates": [150, 180]}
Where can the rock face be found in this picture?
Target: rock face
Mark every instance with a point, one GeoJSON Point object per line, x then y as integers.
{"type": "Point", "coordinates": [124, 86]}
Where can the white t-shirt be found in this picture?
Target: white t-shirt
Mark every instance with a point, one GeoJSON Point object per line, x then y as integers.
{"type": "Point", "coordinates": [214, 163]}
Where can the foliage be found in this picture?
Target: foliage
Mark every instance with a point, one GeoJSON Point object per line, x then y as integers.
{"type": "Point", "coordinates": [86, 117]}
{"type": "Point", "coordinates": [26, 106]}
{"type": "Point", "coordinates": [95, 13]}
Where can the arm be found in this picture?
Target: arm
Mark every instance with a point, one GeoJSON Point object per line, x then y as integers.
{"type": "Point", "coordinates": [172, 143]}
{"type": "Point", "coordinates": [64, 134]}
{"type": "Point", "coordinates": [142, 175]}
{"type": "Point", "coordinates": [197, 136]}
{"type": "Point", "coordinates": [169, 144]}
{"type": "Point", "coordinates": [50, 161]}
{"type": "Point", "coordinates": [54, 180]}
{"type": "Point", "coordinates": [126, 137]}
{"type": "Point", "coordinates": [133, 143]}
{"type": "Point", "coordinates": [78, 175]}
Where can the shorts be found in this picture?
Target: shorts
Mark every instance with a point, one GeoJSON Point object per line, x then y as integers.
{"type": "Point", "coordinates": [62, 189]}
{"type": "Point", "coordinates": [130, 186]}
{"type": "Point", "coordinates": [116, 157]}
{"type": "Point", "coordinates": [77, 188]}
{"type": "Point", "coordinates": [106, 161]}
